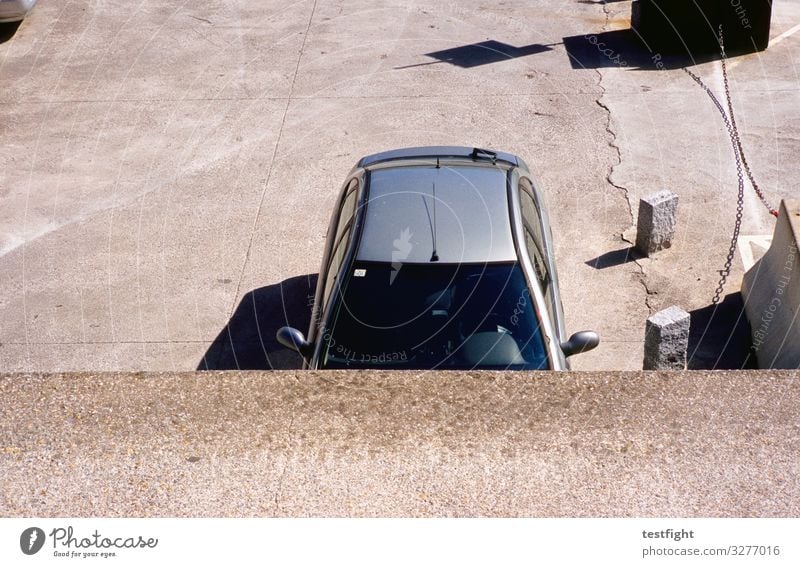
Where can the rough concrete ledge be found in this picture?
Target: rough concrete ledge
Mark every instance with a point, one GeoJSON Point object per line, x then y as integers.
{"type": "Point", "coordinates": [771, 292]}
{"type": "Point", "coordinates": [400, 444]}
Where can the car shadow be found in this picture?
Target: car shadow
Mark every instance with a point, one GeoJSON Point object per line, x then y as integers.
{"type": "Point", "coordinates": [719, 337]}
{"type": "Point", "coordinates": [7, 30]}
{"type": "Point", "coordinates": [248, 340]}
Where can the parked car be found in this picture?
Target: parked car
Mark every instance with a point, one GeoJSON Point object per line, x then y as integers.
{"type": "Point", "coordinates": [438, 258]}
{"type": "Point", "coordinates": [15, 10]}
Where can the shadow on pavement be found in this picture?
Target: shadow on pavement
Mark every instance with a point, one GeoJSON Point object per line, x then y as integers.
{"type": "Point", "coordinates": [8, 30]}
{"type": "Point", "coordinates": [614, 258]}
{"type": "Point", "coordinates": [624, 48]}
{"type": "Point", "coordinates": [483, 53]}
{"type": "Point", "coordinates": [719, 337]}
{"type": "Point", "coordinates": [248, 340]}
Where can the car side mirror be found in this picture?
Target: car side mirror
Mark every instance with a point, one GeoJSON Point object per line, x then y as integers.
{"type": "Point", "coordinates": [580, 342]}
{"type": "Point", "coordinates": [293, 339]}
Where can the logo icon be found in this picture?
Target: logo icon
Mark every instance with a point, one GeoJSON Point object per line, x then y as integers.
{"type": "Point", "coordinates": [31, 541]}
{"type": "Point", "coordinates": [402, 248]}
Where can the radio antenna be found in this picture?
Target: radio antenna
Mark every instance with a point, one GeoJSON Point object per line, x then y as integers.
{"type": "Point", "coordinates": [431, 223]}
{"type": "Point", "coordinates": [434, 255]}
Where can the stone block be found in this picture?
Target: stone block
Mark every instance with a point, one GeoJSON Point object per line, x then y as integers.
{"type": "Point", "coordinates": [667, 340]}
{"type": "Point", "coordinates": [655, 227]}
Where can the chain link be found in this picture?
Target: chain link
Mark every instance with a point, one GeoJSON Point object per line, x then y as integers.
{"type": "Point", "coordinates": [772, 210]}
{"type": "Point", "coordinates": [741, 166]}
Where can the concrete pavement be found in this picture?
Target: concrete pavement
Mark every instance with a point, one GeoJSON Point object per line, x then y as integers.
{"type": "Point", "coordinates": [163, 163]}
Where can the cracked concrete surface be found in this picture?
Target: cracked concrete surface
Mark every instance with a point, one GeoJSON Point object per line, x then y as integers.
{"type": "Point", "coordinates": [610, 130]}
{"type": "Point", "coordinates": [150, 176]}
{"type": "Point", "coordinates": [670, 137]}
{"type": "Point", "coordinates": [613, 144]}
{"type": "Point", "coordinates": [626, 234]}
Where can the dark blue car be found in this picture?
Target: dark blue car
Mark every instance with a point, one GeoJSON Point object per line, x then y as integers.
{"type": "Point", "coordinates": [438, 258]}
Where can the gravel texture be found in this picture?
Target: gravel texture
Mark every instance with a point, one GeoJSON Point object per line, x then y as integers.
{"type": "Point", "coordinates": [400, 444]}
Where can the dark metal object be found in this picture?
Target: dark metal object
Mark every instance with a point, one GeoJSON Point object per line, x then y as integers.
{"type": "Point", "coordinates": [294, 340]}
{"type": "Point", "coordinates": [478, 152]}
{"type": "Point", "coordinates": [581, 341]}
{"type": "Point", "coordinates": [689, 26]}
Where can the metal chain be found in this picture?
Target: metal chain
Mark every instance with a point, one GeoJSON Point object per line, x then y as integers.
{"type": "Point", "coordinates": [772, 210]}
{"type": "Point", "coordinates": [738, 153]}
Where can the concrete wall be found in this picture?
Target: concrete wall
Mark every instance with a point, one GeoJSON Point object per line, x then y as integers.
{"type": "Point", "coordinates": [771, 293]}
{"type": "Point", "coordinates": [400, 444]}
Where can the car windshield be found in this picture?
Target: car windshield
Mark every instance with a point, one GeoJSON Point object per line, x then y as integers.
{"type": "Point", "coordinates": [417, 316]}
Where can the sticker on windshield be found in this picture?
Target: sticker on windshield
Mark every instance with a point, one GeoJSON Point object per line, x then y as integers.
{"type": "Point", "coordinates": [360, 273]}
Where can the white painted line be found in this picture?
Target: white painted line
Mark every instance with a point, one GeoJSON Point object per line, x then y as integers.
{"type": "Point", "coordinates": [773, 42]}
{"type": "Point", "coordinates": [784, 35]}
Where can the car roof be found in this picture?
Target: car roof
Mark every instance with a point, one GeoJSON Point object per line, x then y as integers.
{"type": "Point", "coordinates": [457, 212]}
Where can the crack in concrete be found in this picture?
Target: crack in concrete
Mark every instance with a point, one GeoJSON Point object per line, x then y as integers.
{"type": "Point", "coordinates": [272, 163]}
{"type": "Point", "coordinates": [642, 277]}
{"type": "Point", "coordinates": [201, 19]}
{"type": "Point", "coordinates": [612, 143]}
